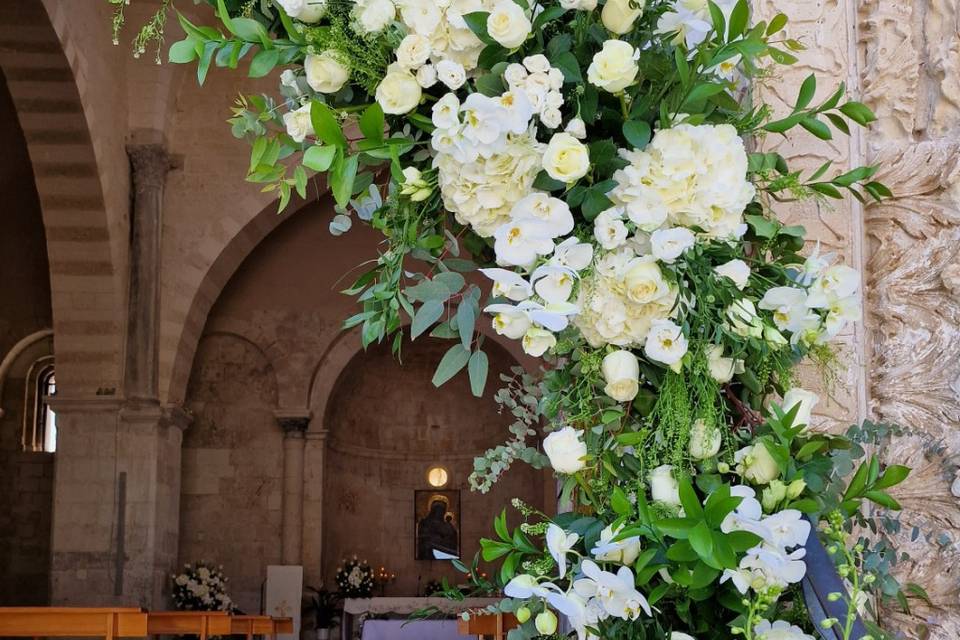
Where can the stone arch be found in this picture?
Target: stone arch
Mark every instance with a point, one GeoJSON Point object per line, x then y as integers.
{"type": "Point", "coordinates": [82, 244]}
{"type": "Point", "coordinates": [176, 373]}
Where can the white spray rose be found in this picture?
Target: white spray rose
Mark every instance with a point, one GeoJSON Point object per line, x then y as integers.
{"type": "Point", "coordinates": [666, 344]}
{"type": "Point", "coordinates": [756, 464]}
{"type": "Point", "coordinates": [551, 118]}
{"type": "Point", "coordinates": [304, 10]}
{"type": "Point", "coordinates": [621, 371]}
{"type": "Point", "coordinates": [508, 24]}
{"type": "Point", "coordinates": [722, 368]}
{"type": "Point", "coordinates": [427, 76]}
{"type": "Point", "coordinates": [736, 270]}
{"type": "Point", "coordinates": [413, 51]}
{"type": "Point", "coordinates": [298, 123]}
{"type": "Point", "coordinates": [663, 486]}
{"type": "Point", "coordinates": [373, 16]}
{"type": "Point", "coordinates": [807, 401]}
{"type": "Point", "coordinates": [705, 440]}
{"type": "Point", "coordinates": [576, 128]}
{"type": "Point", "coordinates": [451, 74]}
{"type": "Point", "coordinates": [618, 16]}
{"type": "Point", "coordinates": [566, 159]}
{"type": "Point", "coordinates": [579, 5]}
{"type": "Point", "coordinates": [399, 92]}
{"type": "Point", "coordinates": [743, 318]}
{"type": "Point", "coordinates": [537, 341]}
{"type": "Point", "coordinates": [669, 244]}
{"type": "Point", "coordinates": [609, 229]}
{"type": "Point", "coordinates": [566, 450]}
{"type": "Point", "coordinates": [325, 72]}
{"type": "Point", "coordinates": [614, 67]}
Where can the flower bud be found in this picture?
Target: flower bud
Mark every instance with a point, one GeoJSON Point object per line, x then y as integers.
{"type": "Point", "coordinates": [618, 16]}
{"type": "Point", "coordinates": [523, 614]}
{"type": "Point", "coordinates": [796, 488]}
{"type": "Point", "coordinates": [546, 623]}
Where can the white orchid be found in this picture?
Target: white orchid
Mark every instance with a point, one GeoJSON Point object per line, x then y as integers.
{"type": "Point", "coordinates": [559, 544]}
{"type": "Point", "coordinates": [509, 284]}
{"type": "Point", "coordinates": [519, 242]}
{"type": "Point", "coordinates": [573, 254]}
{"type": "Point", "coordinates": [787, 528]}
{"type": "Point", "coordinates": [554, 284]}
{"type": "Point", "coordinates": [616, 592]}
{"type": "Point", "coordinates": [608, 549]}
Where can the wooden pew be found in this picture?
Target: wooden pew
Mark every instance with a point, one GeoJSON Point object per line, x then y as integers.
{"type": "Point", "coordinates": [488, 625]}
{"type": "Point", "coordinates": [86, 622]}
{"type": "Point", "coordinates": [197, 623]}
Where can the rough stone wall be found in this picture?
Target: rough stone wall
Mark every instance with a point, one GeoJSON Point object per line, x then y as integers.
{"type": "Point", "coordinates": [909, 54]}
{"type": "Point", "coordinates": [232, 462]}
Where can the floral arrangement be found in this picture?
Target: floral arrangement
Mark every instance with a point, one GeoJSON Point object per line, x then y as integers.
{"type": "Point", "coordinates": [355, 578]}
{"type": "Point", "coordinates": [201, 587]}
{"type": "Point", "coordinates": [589, 159]}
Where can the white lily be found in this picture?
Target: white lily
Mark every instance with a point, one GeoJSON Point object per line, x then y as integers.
{"type": "Point", "coordinates": [559, 544]}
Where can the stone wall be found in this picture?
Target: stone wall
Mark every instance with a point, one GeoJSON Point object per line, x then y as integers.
{"type": "Point", "coordinates": [26, 478]}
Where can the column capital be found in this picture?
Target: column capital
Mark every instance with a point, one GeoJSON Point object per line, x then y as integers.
{"type": "Point", "coordinates": [294, 423]}
{"type": "Point", "coordinates": [150, 164]}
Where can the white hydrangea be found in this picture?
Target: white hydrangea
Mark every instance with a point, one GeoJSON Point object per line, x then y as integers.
{"type": "Point", "coordinates": [487, 157]}
{"type": "Point", "coordinates": [696, 173]}
{"type": "Point", "coordinates": [622, 299]}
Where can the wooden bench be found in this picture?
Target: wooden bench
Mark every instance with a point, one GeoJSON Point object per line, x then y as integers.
{"type": "Point", "coordinates": [179, 623]}
{"type": "Point", "coordinates": [250, 626]}
{"type": "Point", "coordinates": [85, 622]}
{"type": "Point", "coordinates": [488, 625]}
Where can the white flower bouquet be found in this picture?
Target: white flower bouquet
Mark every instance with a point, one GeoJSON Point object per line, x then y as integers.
{"type": "Point", "coordinates": [590, 159]}
{"type": "Point", "coordinates": [355, 578]}
{"type": "Point", "coordinates": [201, 587]}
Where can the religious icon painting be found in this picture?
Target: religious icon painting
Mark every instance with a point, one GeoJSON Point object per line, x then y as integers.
{"type": "Point", "coordinates": [437, 524]}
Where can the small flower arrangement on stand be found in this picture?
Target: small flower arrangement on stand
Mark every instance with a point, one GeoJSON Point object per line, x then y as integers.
{"type": "Point", "coordinates": [201, 587]}
{"type": "Point", "coordinates": [355, 578]}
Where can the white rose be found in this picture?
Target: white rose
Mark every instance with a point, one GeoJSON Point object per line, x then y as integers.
{"type": "Point", "coordinates": [551, 118]}
{"type": "Point", "coordinates": [413, 51]}
{"type": "Point", "coordinates": [669, 244]}
{"type": "Point", "coordinates": [508, 24]}
{"type": "Point", "coordinates": [579, 5]}
{"type": "Point", "coordinates": [618, 16]}
{"type": "Point", "coordinates": [621, 372]}
{"type": "Point", "coordinates": [427, 76]}
{"type": "Point", "coordinates": [644, 282]}
{"type": "Point", "coordinates": [666, 344]}
{"type": "Point", "coordinates": [705, 440]}
{"type": "Point", "coordinates": [613, 68]}
{"type": "Point", "coordinates": [663, 486]}
{"type": "Point", "coordinates": [399, 92]}
{"type": "Point", "coordinates": [566, 159]}
{"type": "Point", "coordinates": [736, 270]}
{"type": "Point", "coordinates": [576, 128]}
{"type": "Point", "coordinates": [566, 450]}
{"type": "Point", "coordinates": [373, 16]}
{"type": "Point", "coordinates": [537, 341]}
{"type": "Point", "coordinates": [298, 123]}
{"type": "Point", "coordinates": [676, 635]}
{"type": "Point", "coordinates": [756, 464]}
{"type": "Point", "coordinates": [721, 368]}
{"type": "Point", "coordinates": [325, 72]}
{"type": "Point", "coordinates": [451, 74]}
{"type": "Point", "coordinates": [807, 401]}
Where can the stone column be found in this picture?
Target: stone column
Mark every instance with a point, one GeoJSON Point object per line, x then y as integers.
{"type": "Point", "coordinates": [314, 460]}
{"type": "Point", "coordinates": [294, 425]}
{"type": "Point", "coordinates": [149, 164]}
{"type": "Point", "coordinates": [116, 502]}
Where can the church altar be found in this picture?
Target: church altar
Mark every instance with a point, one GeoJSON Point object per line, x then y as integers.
{"type": "Point", "coordinates": [398, 609]}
